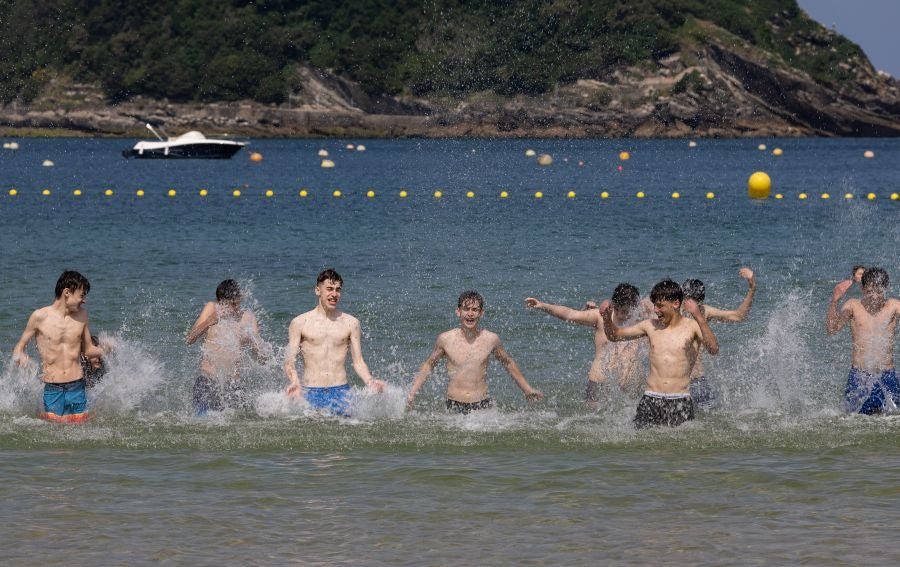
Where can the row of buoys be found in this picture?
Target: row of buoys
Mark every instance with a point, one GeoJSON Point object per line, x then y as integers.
{"type": "Point", "coordinates": [371, 193]}
{"type": "Point", "coordinates": [10, 145]}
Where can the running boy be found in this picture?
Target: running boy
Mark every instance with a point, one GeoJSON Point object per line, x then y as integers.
{"type": "Point", "coordinates": [468, 349]}
{"type": "Point", "coordinates": [61, 334]}
{"type": "Point", "coordinates": [872, 386]}
{"type": "Point", "coordinates": [323, 336]}
{"type": "Point", "coordinates": [674, 346]}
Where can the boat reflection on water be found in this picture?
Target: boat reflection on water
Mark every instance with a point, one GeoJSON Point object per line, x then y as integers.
{"type": "Point", "coordinates": [191, 145]}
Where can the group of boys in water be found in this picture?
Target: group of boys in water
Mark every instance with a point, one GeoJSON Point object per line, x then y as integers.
{"type": "Point", "coordinates": [675, 322]}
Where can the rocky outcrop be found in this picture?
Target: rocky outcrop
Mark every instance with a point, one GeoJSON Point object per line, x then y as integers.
{"type": "Point", "coordinates": [721, 87]}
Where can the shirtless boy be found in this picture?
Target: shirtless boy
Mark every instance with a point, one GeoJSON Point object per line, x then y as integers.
{"type": "Point", "coordinates": [61, 334]}
{"type": "Point", "coordinates": [872, 386]}
{"type": "Point", "coordinates": [226, 330]}
{"type": "Point", "coordinates": [703, 392]}
{"type": "Point", "coordinates": [468, 349]}
{"type": "Point", "coordinates": [675, 343]}
{"type": "Point", "coordinates": [323, 336]}
{"type": "Point", "coordinates": [610, 359]}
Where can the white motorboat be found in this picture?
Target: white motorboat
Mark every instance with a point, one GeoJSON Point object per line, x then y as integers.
{"type": "Point", "coordinates": [191, 145]}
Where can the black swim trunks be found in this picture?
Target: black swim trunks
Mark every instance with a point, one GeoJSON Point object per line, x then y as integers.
{"type": "Point", "coordinates": [592, 392]}
{"type": "Point", "coordinates": [211, 395]}
{"type": "Point", "coordinates": [670, 410]}
{"type": "Point", "coordinates": [465, 407]}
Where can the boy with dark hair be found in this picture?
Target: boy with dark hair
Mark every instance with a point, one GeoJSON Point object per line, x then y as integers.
{"type": "Point", "coordinates": [323, 337]}
{"type": "Point", "coordinates": [872, 386]}
{"type": "Point", "coordinates": [468, 349]}
{"type": "Point", "coordinates": [610, 359]}
{"type": "Point", "coordinates": [704, 394]}
{"type": "Point", "coordinates": [675, 343]}
{"type": "Point", "coordinates": [62, 336]}
{"type": "Point", "coordinates": [226, 330]}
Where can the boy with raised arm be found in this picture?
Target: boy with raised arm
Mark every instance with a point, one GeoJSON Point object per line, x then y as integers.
{"type": "Point", "coordinates": [468, 349]}
{"type": "Point", "coordinates": [675, 343]}
{"type": "Point", "coordinates": [872, 386]}
{"type": "Point", "coordinates": [704, 394]}
{"type": "Point", "coordinates": [61, 334]}
{"type": "Point", "coordinates": [610, 359]}
{"type": "Point", "coordinates": [323, 336]}
{"type": "Point", "coordinates": [226, 330]}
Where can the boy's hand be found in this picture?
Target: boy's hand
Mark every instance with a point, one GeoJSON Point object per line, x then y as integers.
{"type": "Point", "coordinates": [23, 360]}
{"type": "Point", "coordinates": [841, 289]}
{"type": "Point", "coordinates": [534, 395]}
{"type": "Point", "coordinates": [377, 385]}
{"type": "Point", "coordinates": [532, 303]}
{"type": "Point", "coordinates": [604, 307]}
{"type": "Point", "coordinates": [748, 275]}
{"type": "Point", "coordinates": [691, 307]}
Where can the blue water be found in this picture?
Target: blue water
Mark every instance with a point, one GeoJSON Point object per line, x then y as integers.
{"type": "Point", "coordinates": [778, 475]}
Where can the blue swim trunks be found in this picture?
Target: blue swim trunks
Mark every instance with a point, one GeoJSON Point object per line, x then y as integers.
{"type": "Point", "coordinates": [65, 399]}
{"type": "Point", "coordinates": [871, 393]}
{"type": "Point", "coordinates": [335, 399]}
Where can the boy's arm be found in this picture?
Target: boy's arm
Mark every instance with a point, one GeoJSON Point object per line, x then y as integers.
{"type": "Point", "coordinates": [290, 357]}
{"type": "Point", "coordinates": [205, 320]}
{"type": "Point", "coordinates": [359, 364]}
{"type": "Point", "coordinates": [586, 317]}
{"type": "Point", "coordinates": [88, 347]}
{"type": "Point", "coordinates": [834, 320]}
{"type": "Point", "coordinates": [19, 355]}
{"type": "Point", "coordinates": [739, 314]}
{"type": "Point", "coordinates": [424, 371]}
{"type": "Point", "coordinates": [531, 394]}
{"type": "Point", "coordinates": [616, 334]}
{"type": "Point", "coordinates": [707, 337]}
{"type": "Point", "coordinates": [252, 330]}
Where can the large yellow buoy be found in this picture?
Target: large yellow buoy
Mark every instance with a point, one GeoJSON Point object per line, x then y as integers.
{"type": "Point", "coordinates": [624, 156]}
{"type": "Point", "coordinates": [777, 152]}
{"type": "Point", "coordinates": [545, 159]}
{"type": "Point", "coordinates": [759, 186]}
{"type": "Point", "coordinates": [604, 194]}
{"type": "Point", "coordinates": [327, 163]}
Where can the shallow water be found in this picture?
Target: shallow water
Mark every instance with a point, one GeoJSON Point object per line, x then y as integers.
{"type": "Point", "coordinates": [779, 474]}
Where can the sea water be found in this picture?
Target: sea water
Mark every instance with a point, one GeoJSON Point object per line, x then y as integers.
{"type": "Point", "coordinates": [777, 474]}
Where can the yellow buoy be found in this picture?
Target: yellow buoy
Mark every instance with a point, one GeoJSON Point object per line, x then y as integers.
{"type": "Point", "coordinates": [868, 154]}
{"type": "Point", "coordinates": [624, 156]}
{"type": "Point", "coordinates": [538, 195]}
{"type": "Point", "coordinates": [545, 159]}
{"type": "Point", "coordinates": [13, 192]}
{"type": "Point", "coordinates": [779, 196]}
{"type": "Point", "coordinates": [777, 152]}
{"type": "Point", "coordinates": [848, 195]}
{"type": "Point", "coordinates": [570, 194]}
{"type": "Point", "coordinates": [204, 193]}
{"type": "Point", "coordinates": [871, 196]}
{"type": "Point", "coordinates": [370, 193]}
{"type": "Point", "coordinates": [45, 192]}
{"type": "Point", "coordinates": [77, 192]}
{"type": "Point", "coordinates": [710, 195]}
{"type": "Point", "coordinates": [826, 196]}
{"type": "Point", "coordinates": [360, 148]}
{"type": "Point", "coordinates": [108, 192]}
{"type": "Point", "coordinates": [270, 193]}
{"type": "Point", "coordinates": [530, 153]}
{"type": "Point", "coordinates": [256, 156]}
{"type": "Point", "coordinates": [438, 194]}
{"type": "Point", "coordinates": [640, 195]}
{"type": "Point", "coordinates": [894, 196]}
{"type": "Point", "coordinates": [470, 194]}
{"type": "Point", "coordinates": [802, 196]}
{"type": "Point", "coordinates": [403, 194]}
{"type": "Point", "coordinates": [236, 193]}
{"type": "Point", "coordinates": [604, 195]}
{"type": "Point", "coordinates": [172, 193]}
{"type": "Point", "coordinates": [327, 163]}
{"type": "Point", "coordinates": [761, 147]}
{"type": "Point", "coordinates": [303, 193]}
{"type": "Point", "coordinates": [504, 194]}
{"type": "Point", "coordinates": [139, 192]}
{"type": "Point", "coordinates": [47, 163]}
{"type": "Point", "coordinates": [337, 193]}
{"type": "Point", "coordinates": [759, 185]}
{"type": "Point", "coordinates": [676, 195]}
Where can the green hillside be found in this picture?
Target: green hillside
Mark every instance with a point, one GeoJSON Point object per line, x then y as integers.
{"type": "Point", "coordinates": [193, 50]}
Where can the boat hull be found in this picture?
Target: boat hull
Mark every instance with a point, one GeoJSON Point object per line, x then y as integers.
{"type": "Point", "coordinates": [186, 151]}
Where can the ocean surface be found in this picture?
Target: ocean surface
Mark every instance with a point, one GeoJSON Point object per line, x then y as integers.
{"type": "Point", "coordinates": [779, 474]}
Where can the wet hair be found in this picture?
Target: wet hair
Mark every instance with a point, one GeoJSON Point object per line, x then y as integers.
{"type": "Point", "coordinates": [875, 277]}
{"type": "Point", "coordinates": [625, 295]}
{"type": "Point", "coordinates": [470, 297]}
{"type": "Point", "coordinates": [666, 290]}
{"type": "Point", "coordinates": [857, 267]}
{"type": "Point", "coordinates": [329, 274]}
{"type": "Point", "coordinates": [72, 281]}
{"type": "Point", "coordinates": [228, 290]}
{"type": "Point", "coordinates": [694, 289]}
